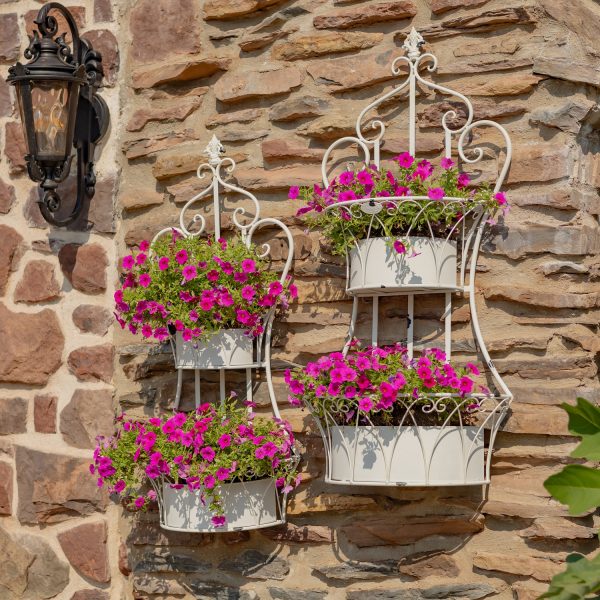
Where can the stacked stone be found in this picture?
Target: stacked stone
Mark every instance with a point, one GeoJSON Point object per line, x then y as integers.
{"type": "Point", "coordinates": [58, 535]}
{"type": "Point", "coordinates": [277, 82]}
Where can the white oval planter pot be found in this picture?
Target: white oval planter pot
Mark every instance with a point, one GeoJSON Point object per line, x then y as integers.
{"type": "Point", "coordinates": [228, 348]}
{"type": "Point", "coordinates": [416, 456]}
{"type": "Point", "coordinates": [376, 267]}
{"type": "Point", "coordinates": [247, 505]}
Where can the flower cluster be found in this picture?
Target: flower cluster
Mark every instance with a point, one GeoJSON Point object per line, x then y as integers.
{"type": "Point", "coordinates": [201, 450]}
{"type": "Point", "coordinates": [418, 199]}
{"type": "Point", "coordinates": [197, 286]}
{"type": "Point", "coordinates": [378, 384]}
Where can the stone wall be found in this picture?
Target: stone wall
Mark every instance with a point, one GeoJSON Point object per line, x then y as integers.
{"type": "Point", "coordinates": [277, 82]}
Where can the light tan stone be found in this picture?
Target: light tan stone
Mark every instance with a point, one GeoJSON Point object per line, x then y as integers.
{"type": "Point", "coordinates": [441, 6]}
{"type": "Point", "coordinates": [178, 72]}
{"type": "Point", "coordinates": [540, 568]}
{"type": "Point", "coordinates": [555, 528]}
{"type": "Point", "coordinates": [243, 85]}
{"type": "Point", "coordinates": [301, 48]}
{"type": "Point", "coordinates": [357, 16]}
{"type": "Point", "coordinates": [303, 503]}
{"type": "Point", "coordinates": [232, 9]}
{"type": "Point", "coordinates": [175, 111]}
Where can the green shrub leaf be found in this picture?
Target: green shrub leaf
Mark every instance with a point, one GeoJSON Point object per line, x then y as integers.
{"type": "Point", "coordinates": [584, 417]}
{"type": "Point", "coordinates": [581, 578]}
{"type": "Point", "coordinates": [576, 486]}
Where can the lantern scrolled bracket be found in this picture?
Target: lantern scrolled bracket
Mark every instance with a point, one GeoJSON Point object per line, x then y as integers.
{"type": "Point", "coordinates": [60, 110]}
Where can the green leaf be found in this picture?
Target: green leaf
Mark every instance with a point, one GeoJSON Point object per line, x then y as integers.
{"type": "Point", "coordinates": [589, 447]}
{"type": "Point", "coordinates": [576, 486]}
{"type": "Point", "coordinates": [584, 417]}
{"type": "Point", "coordinates": [581, 578]}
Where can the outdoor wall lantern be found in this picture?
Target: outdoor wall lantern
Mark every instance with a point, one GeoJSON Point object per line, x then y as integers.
{"type": "Point", "coordinates": [59, 107]}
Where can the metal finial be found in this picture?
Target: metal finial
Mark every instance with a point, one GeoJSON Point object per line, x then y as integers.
{"type": "Point", "coordinates": [412, 44]}
{"type": "Point", "coordinates": [213, 150]}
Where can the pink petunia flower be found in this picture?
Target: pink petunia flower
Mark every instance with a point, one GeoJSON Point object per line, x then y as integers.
{"type": "Point", "coordinates": [294, 192]}
{"type": "Point", "coordinates": [189, 272]}
{"type": "Point", "coordinates": [500, 198]}
{"type": "Point", "coordinates": [145, 280]}
{"type": "Point", "coordinates": [144, 245]}
{"type": "Point", "coordinates": [207, 453]}
{"type": "Point", "coordinates": [463, 180]}
{"type": "Point", "coordinates": [248, 265]}
{"type": "Point", "coordinates": [399, 247]}
{"type": "Point", "coordinates": [435, 193]}
{"type": "Point", "coordinates": [447, 163]}
{"type": "Point", "coordinates": [365, 404]}
{"type": "Point", "coordinates": [163, 263]}
{"type": "Point", "coordinates": [404, 160]}
{"type": "Point", "coordinates": [218, 521]}
{"type": "Point", "coordinates": [128, 262]}
{"type": "Point", "coordinates": [346, 177]}
{"type": "Point", "coordinates": [181, 257]}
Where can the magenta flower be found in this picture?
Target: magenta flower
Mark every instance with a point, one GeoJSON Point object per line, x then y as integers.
{"type": "Point", "coordinates": [463, 180]}
{"type": "Point", "coordinates": [207, 453]}
{"type": "Point", "coordinates": [189, 272]}
{"type": "Point", "coordinates": [364, 177]}
{"type": "Point", "coordinates": [248, 265]}
{"type": "Point", "coordinates": [500, 198]}
{"type": "Point", "coordinates": [218, 521]}
{"type": "Point", "coordinates": [140, 501]}
{"type": "Point", "coordinates": [145, 280]}
{"type": "Point", "coordinates": [128, 262]}
{"type": "Point", "coordinates": [144, 245]}
{"type": "Point", "coordinates": [209, 482]}
{"type": "Point", "coordinates": [365, 404]}
{"type": "Point", "coordinates": [435, 193]}
{"type": "Point", "coordinates": [213, 276]}
{"type": "Point", "coordinates": [294, 192]}
{"type": "Point", "coordinates": [222, 473]}
{"type": "Point", "coordinates": [346, 177]}
{"type": "Point", "coordinates": [399, 247]}
{"type": "Point", "coordinates": [147, 330]}
{"type": "Point", "coordinates": [181, 257]}
{"type": "Point", "coordinates": [347, 195]}
{"type": "Point", "coordinates": [248, 293]}
{"type": "Point", "coordinates": [446, 163]}
{"type": "Point", "coordinates": [404, 160]}
{"type": "Point", "coordinates": [119, 486]}
{"type": "Point", "coordinates": [163, 263]}
{"type": "Point", "coordinates": [224, 441]}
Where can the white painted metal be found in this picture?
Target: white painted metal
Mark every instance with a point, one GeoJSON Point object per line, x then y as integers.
{"type": "Point", "coordinates": [376, 268]}
{"type": "Point", "coordinates": [462, 243]}
{"type": "Point", "coordinates": [225, 349]}
{"type": "Point", "coordinates": [246, 505]}
{"type": "Point", "coordinates": [407, 455]}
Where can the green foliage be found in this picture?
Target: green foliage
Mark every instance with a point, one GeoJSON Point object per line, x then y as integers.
{"type": "Point", "coordinates": [197, 285]}
{"type": "Point", "coordinates": [344, 226]}
{"type": "Point", "coordinates": [580, 580]}
{"type": "Point", "coordinates": [203, 450]}
{"type": "Point", "coordinates": [578, 487]}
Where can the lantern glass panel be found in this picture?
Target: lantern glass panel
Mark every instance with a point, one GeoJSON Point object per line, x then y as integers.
{"type": "Point", "coordinates": [50, 101]}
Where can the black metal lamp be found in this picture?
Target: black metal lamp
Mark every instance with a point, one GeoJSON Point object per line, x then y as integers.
{"type": "Point", "coordinates": [59, 109]}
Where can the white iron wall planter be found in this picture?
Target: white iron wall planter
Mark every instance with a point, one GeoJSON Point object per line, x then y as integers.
{"type": "Point", "coordinates": [376, 268]}
{"type": "Point", "coordinates": [227, 349]}
{"type": "Point", "coordinates": [246, 504]}
{"type": "Point", "coordinates": [455, 452]}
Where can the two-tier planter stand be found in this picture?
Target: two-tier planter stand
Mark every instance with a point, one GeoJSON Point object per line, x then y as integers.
{"type": "Point", "coordinates": [247, 504]}
{"type": "Point", "coordinates": [412, 454]}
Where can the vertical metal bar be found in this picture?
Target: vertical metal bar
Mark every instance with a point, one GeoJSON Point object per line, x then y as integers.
{"type": "Point", "coordinates": [375, 323]}
{"type": "Point", "coordinates": [249, 386]}
{"type": "Point", "coordinates": [448, 326]}
{"type": "Point", "coordinates": [376, 153]}
{"type": "Point", "coordinates": [448, 143]}
{"type": "Point", "coordinates": [412, 116]}
{"type": "Point", "coordinates": [410, 324]}
{"type": "Point", "coordinates": [352, 325]}
{"type": "Point", "coordinates": [222, 386]}
{"type": "Point", "coordinates": [178, 391]}
{"type": "Point", "coordinates": [217, 208]}
{"type": "Point", "coordinates": [197, 387]}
